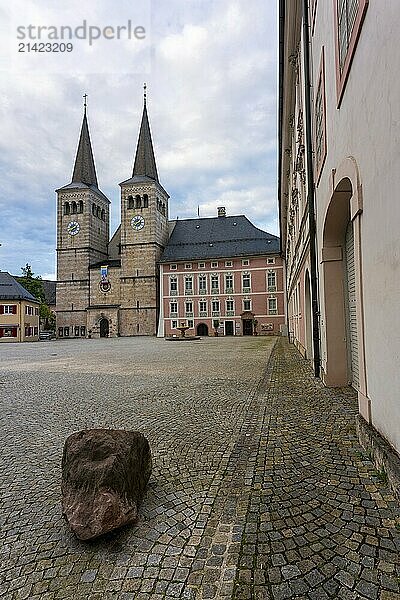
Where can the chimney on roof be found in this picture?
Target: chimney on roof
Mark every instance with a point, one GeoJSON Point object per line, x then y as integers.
{"type": "Point", "coordinates": [221, 211]}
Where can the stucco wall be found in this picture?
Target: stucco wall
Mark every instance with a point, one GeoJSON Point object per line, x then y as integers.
{"type": "Point", "coordinates": [367, 127]}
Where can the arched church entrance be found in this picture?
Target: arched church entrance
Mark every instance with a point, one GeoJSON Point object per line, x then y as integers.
{"type": "Point", "coordinates": [104, 327]}
{"type": "Point", "coordinates": [202, 329]}
{"type": "Point", "coordinates": [339, 270]}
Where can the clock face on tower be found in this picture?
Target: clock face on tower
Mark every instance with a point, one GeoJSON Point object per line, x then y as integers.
{"type": "Point", "coordinates": [73, 227]}
{"type": "Point", "coordinates": [137, 222]}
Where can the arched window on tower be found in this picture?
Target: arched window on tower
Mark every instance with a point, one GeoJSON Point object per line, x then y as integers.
{"type": "Point", "coordinates": [145, 201]}
{"type": "Point", "coordinates": [73, 208]}
{"type": "Point", "coordinates": [80, 206]}
{"type": "Point", "coordinates": [138, 202]}
{"type": "Point", "coordinates": [67, 208]}
{"type": "Point", "coordinates": [131, 203]}
{"type": "Point", "coordinates": [94, 209]}
{"type": "Point", "coordinates": [158, 204]}
{"type": "Point", "coordinates": [163, 209]}
{"type": "Point", "coordinates": [103, 215]}
{"type": "Point", "coordinates": [98, 211]}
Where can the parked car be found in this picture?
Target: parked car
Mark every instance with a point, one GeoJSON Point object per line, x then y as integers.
{"type": "Point", "coordinates": [46, 335]}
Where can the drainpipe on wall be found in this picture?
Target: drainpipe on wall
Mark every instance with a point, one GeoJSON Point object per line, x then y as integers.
{"type": "Point", "coordinates": [310, 192]}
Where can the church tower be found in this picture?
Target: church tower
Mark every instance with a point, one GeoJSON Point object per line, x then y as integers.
{"type": "Point", "coordinates": [144, 235]}
{"type": "Point", "coordinates": [83, 215]}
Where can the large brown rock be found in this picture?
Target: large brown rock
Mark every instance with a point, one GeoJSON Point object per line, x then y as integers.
{"type": "Point", "coordinates": [104, 476]}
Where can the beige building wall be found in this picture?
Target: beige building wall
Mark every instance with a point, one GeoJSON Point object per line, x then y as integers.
{"type": "Point", "coordinates": [21, 326]}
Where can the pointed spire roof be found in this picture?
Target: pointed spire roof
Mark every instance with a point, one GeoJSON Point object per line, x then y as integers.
{"type": "Point", "coordinates": [84, 169]}
{"type": "Point", "coordinates": [145, 162]}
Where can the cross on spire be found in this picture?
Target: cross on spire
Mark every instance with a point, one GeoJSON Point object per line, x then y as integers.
{"type": "Point", "coordinates": [85, 103]}
{"type": "Point", "coordinates": [145, 93]}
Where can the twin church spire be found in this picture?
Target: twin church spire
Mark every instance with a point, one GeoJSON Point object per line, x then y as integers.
{"type": "Point", "coordinates": [144, 164]}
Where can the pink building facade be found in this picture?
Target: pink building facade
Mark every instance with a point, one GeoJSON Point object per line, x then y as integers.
{"type": "Point", "coordinates": [226, 295]}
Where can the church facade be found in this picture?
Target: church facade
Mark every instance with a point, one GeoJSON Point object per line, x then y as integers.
{"type": "Point", "coordinates": [115, 287]}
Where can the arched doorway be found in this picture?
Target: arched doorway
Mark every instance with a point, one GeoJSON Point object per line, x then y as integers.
{"type": "Point", "coordinates": [202, 329]}
{"type": "Point", "coordinates": [341, 282]}
{"type": "Point", "coordinates": [104, 327]}
{"type": "Point", "coordinates": [308, 315]}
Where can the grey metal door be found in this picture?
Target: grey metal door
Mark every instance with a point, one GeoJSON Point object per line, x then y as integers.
{"type": "Point", "coordinates": [351, 307]}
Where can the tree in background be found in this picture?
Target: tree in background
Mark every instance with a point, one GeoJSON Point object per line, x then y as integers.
{"type": "Point", "coordinates": [34, 285]}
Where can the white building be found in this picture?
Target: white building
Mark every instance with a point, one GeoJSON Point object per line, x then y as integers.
{"type": "Point", "coordinates": [351, 137]}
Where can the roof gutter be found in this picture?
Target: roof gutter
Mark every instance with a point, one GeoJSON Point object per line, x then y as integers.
{"type": "Point", "coordinates": [280, 112]}
{"type": "Point", "coordinates": [310, 192]}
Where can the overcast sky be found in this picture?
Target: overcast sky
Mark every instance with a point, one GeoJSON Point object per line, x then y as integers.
{"type": "Point", "coordinates": [210, 68]}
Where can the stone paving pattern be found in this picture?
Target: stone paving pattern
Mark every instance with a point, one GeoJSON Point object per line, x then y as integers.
{"type": "Point", "coordinates": [259, 489]}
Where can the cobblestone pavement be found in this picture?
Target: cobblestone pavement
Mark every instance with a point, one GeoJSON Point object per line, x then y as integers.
{"type": "Point", "coordinates": [259, 488]}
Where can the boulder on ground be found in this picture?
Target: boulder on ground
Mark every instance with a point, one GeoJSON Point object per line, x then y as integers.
{"type": "Point", "coordinates": [104, 476]}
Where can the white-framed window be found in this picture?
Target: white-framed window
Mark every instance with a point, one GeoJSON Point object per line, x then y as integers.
{"type": "Point", "coordinates": [272, 306]}
{"type": "Point", "coordinates": [202, 284]}
{"type": "Point", "coordinates": [188, 265]}
{"type": "Point", "coordinates": [230, 307]}
{"type": "Point", "coordinates": [188, 284]}
{"type": "Point", "coordinates": [228, 263]}
{"type": "Point", "coordinates": [190, 323]}
{"type": "Point", "coordinates": [201, 265]}
{"type": "Point", "coordinates": [203, 310]}
{"type": "Point", "coordinates": [9, 309]}
{"type": "Point", "coordinates": [214, 283]}
{"type": "Point", "coordinates": [245, 262]}
{"type": "Point", "coordinates": [173, 286]}
{"type": "Point", "coordinates": [228, 283]}
{"type": "Point", "coordinates": [246, 304]}
{"type": "Point", "coordinates": [173, 309]}
{"type": "Point", "coordinates": [173, 267]}
{"type": "Point", "coordinates": [174, 324]}
{"type": "Point", "coordinates": [246, 281]}
{"type": "Point", "coordinates": [214, 265]}
{"type": "Point", "coordinates": [271, 281]}
{"type": "Point", "coordinates": [270, 261]}
{"type": "Point", "coordinates": [189, 308]}
{"type": "Point", "coordinates": [215, 308]}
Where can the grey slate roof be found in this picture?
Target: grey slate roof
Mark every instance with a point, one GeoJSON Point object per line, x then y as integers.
{"type": "Point", "coordinates": [109, 262]}
{"type": "Point", "coordinates": [145, 162]}
{"type": "Point", "coordinates": [84, 169]}
{"type": "Point", "coordinates": [49, 287]}
{"type": "Point", "coordinates": [10, 289]}
{"type": "Point", "coordinates": [218, 237]}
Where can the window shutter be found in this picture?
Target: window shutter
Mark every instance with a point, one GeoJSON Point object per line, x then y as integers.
{"type": "Point", "coordinates": [1, 311]}
{"type": "Point", "coordinates": [1, 330]}
{"type": "Point", "coordinates": [14, 309]}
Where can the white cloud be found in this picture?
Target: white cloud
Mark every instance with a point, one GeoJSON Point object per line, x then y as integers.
{"type": "Point", "coordinates": [212, 108]}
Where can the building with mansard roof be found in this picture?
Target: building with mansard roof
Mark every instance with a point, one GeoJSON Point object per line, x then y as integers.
{"type": "Point", "coordinates": [122, 286]}
{"type": "Point", "coordinates": [19, 311]}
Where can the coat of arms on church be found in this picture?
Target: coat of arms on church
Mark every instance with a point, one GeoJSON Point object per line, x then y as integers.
{"type": "Point", "coordinates": [104, 285]}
